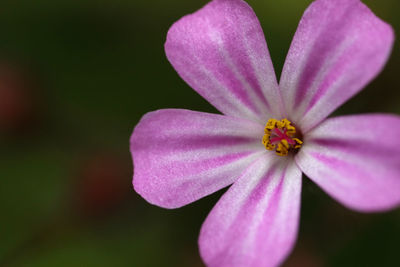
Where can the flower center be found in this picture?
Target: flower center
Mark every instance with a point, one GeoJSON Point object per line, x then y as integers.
{"type": "Point", "coordinates": [281, 137]}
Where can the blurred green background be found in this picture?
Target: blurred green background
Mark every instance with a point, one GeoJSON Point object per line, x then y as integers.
{"type": "Point", "coordinates": [75, 78]}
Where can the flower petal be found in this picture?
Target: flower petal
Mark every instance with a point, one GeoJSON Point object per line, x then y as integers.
{"type": "Point", "coordinates": [355, 159]}
{"type": "Point", "coordinates": [220, 51]}
{"type": "Point", "coordinates": [255, 223]}
{"type": "Point", "coordinates": [180, 155]}
{"type": "Point", "coordinates": [339, 46]}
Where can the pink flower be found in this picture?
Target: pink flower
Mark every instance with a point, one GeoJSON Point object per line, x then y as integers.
{"type": "Point", "coordinates": [269, 133]}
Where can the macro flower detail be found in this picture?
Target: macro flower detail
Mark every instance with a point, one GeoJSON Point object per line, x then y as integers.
{"type": "Point", "coordinates": [280, 136]}
{"type": "Point", "coordinates": [269, 133]}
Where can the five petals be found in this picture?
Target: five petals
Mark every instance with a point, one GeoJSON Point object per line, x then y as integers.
{"type": "Point", "coordinates": [220, 51]}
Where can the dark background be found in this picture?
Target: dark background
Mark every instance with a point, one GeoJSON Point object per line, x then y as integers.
{"type": "Point", "coordinates": [75, 78]}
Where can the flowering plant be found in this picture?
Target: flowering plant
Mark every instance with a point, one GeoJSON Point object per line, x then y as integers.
{"type": "Point", "coordinates": [269, 133]}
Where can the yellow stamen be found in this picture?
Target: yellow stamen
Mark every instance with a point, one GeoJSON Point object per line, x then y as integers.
{"type": "Point", "coordinates": [280, 136]}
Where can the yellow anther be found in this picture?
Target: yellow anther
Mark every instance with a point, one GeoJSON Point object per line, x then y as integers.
{"type": "Point", "coordinates": [280, 136]}
{"type": "Point", "coordinates": [281, 150]}
{"type": "Point", "coordinates": [298, 142]}
{"type": "Point", "coordinates": [291, 130]}
{"type": "Point", "coordinates": [285, 143]}
{"type": "Point", "coordinates": [271, 124]}
{"type": "Point", "coordinates": [286, 122]}
{"type": "Point", "coordinates": [265, 139]}
{"type": "Point", "coordinates": [270, 146]}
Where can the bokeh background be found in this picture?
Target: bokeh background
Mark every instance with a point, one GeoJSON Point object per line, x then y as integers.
{"type": "Point", "coordinates": [75, 78]}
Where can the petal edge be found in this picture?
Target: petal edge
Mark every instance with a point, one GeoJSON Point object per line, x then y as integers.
{"type": "Point", "coordinates": [255, 223]}
{"type": "Point", "coordinates": [180, 155]}
{"type": "Point", "coordinates": [221, 52]}
{"type": "Point", "coordinates": [356, 160]}
{"type": "Point", "coordinates": [338, 48]}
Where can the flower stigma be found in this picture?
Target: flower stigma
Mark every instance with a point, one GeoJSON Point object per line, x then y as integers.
{"type": "Point", "coordinates": [281, 137]}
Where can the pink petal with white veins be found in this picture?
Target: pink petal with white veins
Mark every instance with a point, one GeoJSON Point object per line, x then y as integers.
{"type": "Point", "coordinates": [256, 221]}
{"type": "Point", "coordinates": [220, 51]}
{"type": "Point", "coordinates": [355, 159]}
{"type": "Point", "coordinates": [339, 47]}
{"type": "Point", "coordinates": [180, 155]}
